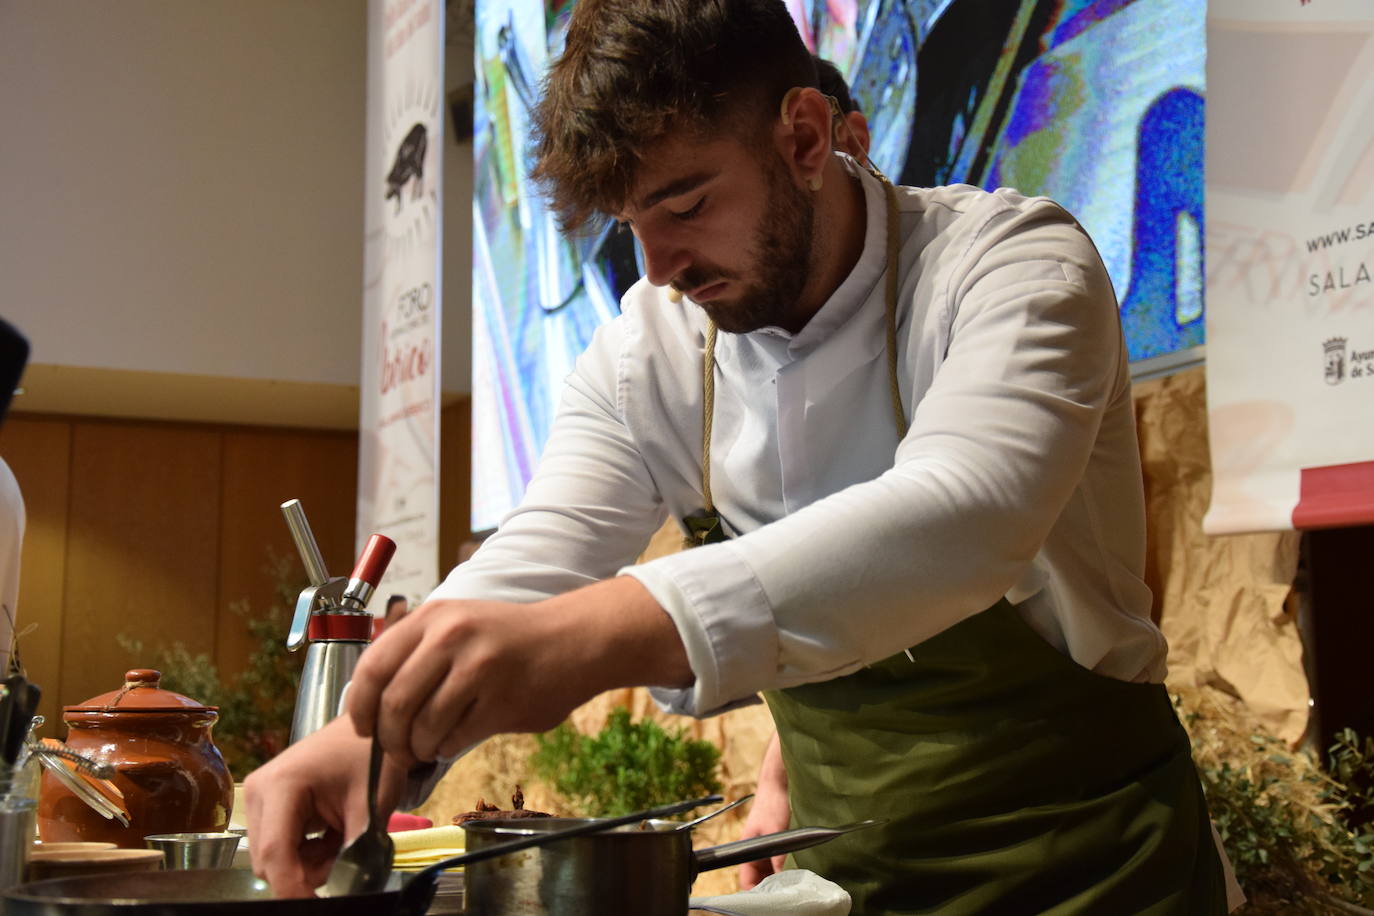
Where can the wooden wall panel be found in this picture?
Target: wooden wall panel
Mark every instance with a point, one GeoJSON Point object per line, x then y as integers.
{"type": "Point", "coordinates": [455, 481]}
{"type": "Point", "coordinates": [143, 547]}
{"type": "Point", "coordinates": [38, 451]}
{"type": "Point", "coordinates": [155, 529]}
{"type": "Point", "coordinates": [263, 469]}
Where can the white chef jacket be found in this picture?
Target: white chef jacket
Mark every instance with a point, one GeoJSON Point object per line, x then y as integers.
{"type": "Point", "coordinates": [12, 519]}
{"type": "Point", "coordinates": [1019, 475]}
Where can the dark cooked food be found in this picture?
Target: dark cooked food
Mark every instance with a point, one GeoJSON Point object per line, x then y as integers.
{"type": "Point", "coordinates": [485, 812]}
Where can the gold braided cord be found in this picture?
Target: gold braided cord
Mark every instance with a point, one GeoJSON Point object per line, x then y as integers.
{"type": "Point", "coordinates": [893, 252]}
{"type": "Point", "coordinates": [838, 124]}
{"type": "Point", "coordinates": [708, 409]}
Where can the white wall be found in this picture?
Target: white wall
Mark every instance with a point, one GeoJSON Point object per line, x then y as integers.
{"type": "Point", "coordinates": [181, 187]}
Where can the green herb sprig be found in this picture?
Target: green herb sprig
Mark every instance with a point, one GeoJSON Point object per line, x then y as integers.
{"type": "Point", "coordinates": [627, 766]}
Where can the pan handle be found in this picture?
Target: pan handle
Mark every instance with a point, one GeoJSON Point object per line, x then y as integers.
{"type": "Point", "coordinates": [771, 844]}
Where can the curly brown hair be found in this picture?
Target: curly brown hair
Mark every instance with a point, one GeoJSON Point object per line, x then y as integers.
{"type": "Point", "coordinates": [633, 70]}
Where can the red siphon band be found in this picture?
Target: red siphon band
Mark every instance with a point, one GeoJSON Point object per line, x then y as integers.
{"type": "Point", "coordinates": [356, 627]}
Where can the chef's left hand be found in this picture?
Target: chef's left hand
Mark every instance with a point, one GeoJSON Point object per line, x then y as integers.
{"type": "Point", "coordinates": [452, 673]}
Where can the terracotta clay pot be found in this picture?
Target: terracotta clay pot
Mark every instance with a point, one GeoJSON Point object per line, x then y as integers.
{"type": "Point", "coordinates": [172, 775]}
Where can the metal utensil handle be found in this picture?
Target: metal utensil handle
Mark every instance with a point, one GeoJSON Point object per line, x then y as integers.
{"type": "Point", "coordinates": [102, 805]}
{"type": "Point", "coordinates": [430, 873]}
{"type": "Point", "coordinates": [305, 541]}
{"type": "Point", "coordinates": [374, 770]}
{"type": "Point", "coordinates": [772, 844]}
{"type": "Point", "coordinates": [710, 814]}
{"type": "Point", "coordinates": [90, 767]}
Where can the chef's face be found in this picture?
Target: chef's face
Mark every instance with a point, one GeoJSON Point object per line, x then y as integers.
{"type": "Point", "coordinates": [727, 224]}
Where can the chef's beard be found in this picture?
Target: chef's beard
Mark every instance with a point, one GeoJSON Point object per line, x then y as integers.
{"type": "Point", "coordinates": [782, 262]}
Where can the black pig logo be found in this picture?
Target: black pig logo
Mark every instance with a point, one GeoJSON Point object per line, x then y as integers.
{"type": "Point", "coordinates": [410, 163]}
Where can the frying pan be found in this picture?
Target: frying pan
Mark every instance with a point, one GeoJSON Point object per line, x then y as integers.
{"type": "Point", "coordinates": [234, 892]}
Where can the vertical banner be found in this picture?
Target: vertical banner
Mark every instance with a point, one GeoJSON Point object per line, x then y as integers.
{"type": "Point", "coordinates": [1290, 263]}
{"type": "Point", "coordinates": [398, 454]}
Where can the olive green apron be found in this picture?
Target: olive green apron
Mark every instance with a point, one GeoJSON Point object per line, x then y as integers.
{"type": "Point", "coordinates": [1013, 780]}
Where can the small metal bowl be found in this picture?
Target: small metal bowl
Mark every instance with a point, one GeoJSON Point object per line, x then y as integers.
{"type": "Point", "coordinates": [195, 850]}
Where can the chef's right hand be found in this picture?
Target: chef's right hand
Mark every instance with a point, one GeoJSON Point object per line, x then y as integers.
{"type": "Point", "coordinates": [317, 784]}
{"type": "Point", "coordinates": [770, 812]}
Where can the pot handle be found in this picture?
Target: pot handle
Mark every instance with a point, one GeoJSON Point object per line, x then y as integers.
{"type": "Point", "coordinates": [771, 844]}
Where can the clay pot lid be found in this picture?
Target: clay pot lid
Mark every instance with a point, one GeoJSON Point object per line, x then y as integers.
{"type": "Point", "coordinates": [141, 693]}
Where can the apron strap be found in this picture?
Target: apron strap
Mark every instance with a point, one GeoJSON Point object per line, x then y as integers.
{"type": "Point", "coordinates": [705, 527]}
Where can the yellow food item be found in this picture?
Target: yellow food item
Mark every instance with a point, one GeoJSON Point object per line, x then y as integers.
{"type": "Point", "coordinates": [418, 848]}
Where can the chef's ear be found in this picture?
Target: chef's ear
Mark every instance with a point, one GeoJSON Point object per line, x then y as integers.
{"type": "Point", "coordinates": [803, 134]}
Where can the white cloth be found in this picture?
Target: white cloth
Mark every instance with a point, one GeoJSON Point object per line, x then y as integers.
{"type": "Point", "coordinates": [1019, 476]}
{"type": "Point", "coordinates": [12, 520]}
{"type": "Point", "coordinates": [794, 892]}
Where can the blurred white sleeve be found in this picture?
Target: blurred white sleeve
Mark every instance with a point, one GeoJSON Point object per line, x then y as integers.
{"type": "Point", "coordinates": [11, 541]}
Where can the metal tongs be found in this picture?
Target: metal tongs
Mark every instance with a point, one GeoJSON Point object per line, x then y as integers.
{"type": "Point", "coordinates": [87, 779]}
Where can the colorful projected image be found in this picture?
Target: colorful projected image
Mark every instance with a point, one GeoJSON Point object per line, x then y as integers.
{"type": "Point", "coordinates": [537, 296]}
{"type": "Point", "coordinates": [1095, 103]}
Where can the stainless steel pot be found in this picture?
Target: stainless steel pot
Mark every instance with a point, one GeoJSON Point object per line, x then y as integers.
{"type": "Point", "coordinates": [644, 870]}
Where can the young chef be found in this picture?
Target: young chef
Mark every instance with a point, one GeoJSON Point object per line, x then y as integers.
{"type": "Point", "coordinates": [917, 495]}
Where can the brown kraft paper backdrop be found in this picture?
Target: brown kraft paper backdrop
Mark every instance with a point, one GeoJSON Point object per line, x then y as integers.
{"type": "Point", "coordinates": [1222, 602]}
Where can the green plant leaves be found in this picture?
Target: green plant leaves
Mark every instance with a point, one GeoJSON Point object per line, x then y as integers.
{"type": "Point", "coordinates": [626, 767]}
